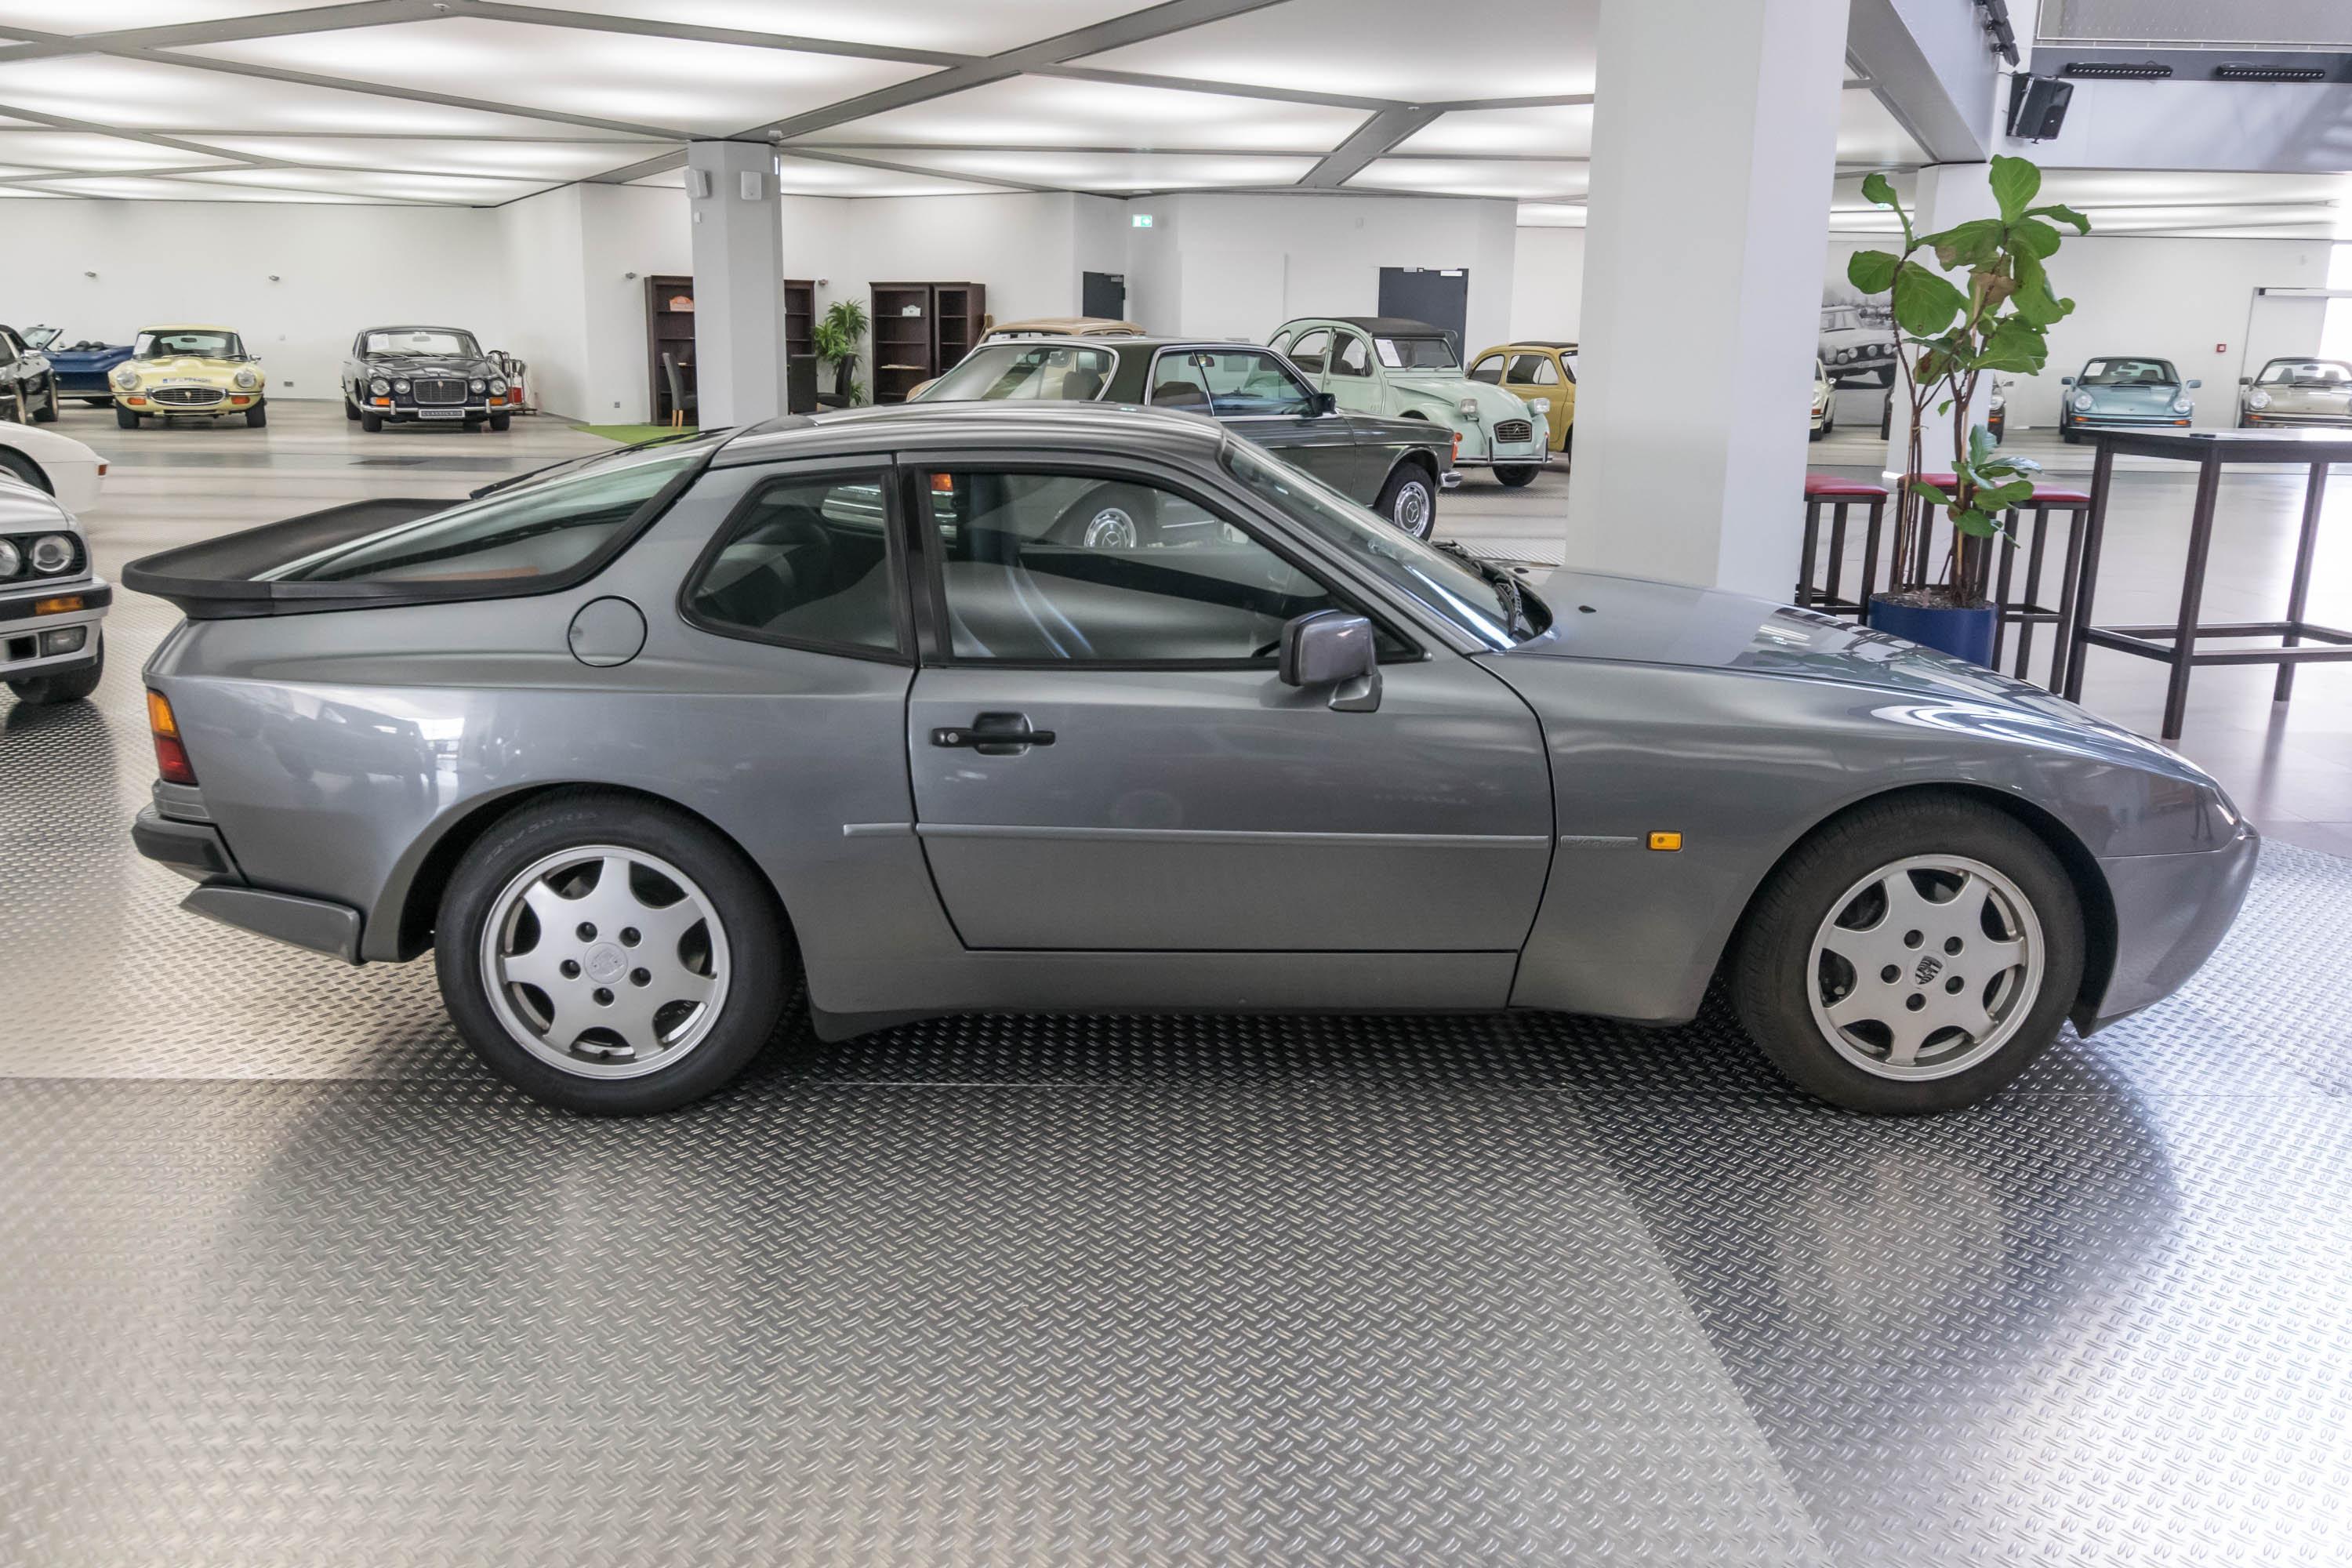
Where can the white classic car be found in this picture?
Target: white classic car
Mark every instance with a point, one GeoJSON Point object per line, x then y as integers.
{"type": "Point", "coordinates": [56, 465]}
{"type": "Point", "coordinates": [51, 650]}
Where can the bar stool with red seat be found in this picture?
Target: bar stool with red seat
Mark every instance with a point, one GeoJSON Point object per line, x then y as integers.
{"type": "Point", "coordinates": [1841, 495]}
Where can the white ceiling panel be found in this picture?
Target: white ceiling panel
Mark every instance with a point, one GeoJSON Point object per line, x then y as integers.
{"type": "Point", "coordinates": [114, 16]}
{"type": "Point", "coordinates": [80, 150]}
{"type": "Point", "coordinates": [1563, 130]}
{"type": "Point", "coordinates": [1868, 135]}
{"type": "Point", "coordinates": [129, 188]}
{"type": "Point", "coordinates": [1404, 50]}
{"type": "Point", "coordinates": [1527, 179]}
{"type": "Point", "coordinates": [538, 161]}
{"type": "Point", "coordinates": [1060, 112]}
{"type": "Point", "coordinates": [463, 191]}
{"type": "Point", "coordinates": [1551, 214]}
{"type": "Point", "coordinates": [716, 88]}
{"type": "Point", "coordinates": [952, 27]}
{"type": "Point", "coordinates": [147, 95]}
{"type": "Point", "coordinates": [1117, 171]}
{"type": "Point", "coordinates": [814, 177]}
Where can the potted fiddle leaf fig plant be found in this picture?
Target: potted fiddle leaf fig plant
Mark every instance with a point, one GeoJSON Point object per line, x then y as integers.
{"type": "Point", "coordinates": [836, 340]}
{"type": "Point", "coordinates": [1968, 300]}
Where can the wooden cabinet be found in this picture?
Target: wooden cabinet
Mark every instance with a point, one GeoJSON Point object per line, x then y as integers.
{"type": "Point", "coordinates": [800, 316]}
{"type": "Point", "coordinates": [669, 329]}
{"type": "Point", "coordinates": [921, 329]}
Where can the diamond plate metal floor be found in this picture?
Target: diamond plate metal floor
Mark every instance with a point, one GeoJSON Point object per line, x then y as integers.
{"type": "Point", "coordinates": [286, 1279]}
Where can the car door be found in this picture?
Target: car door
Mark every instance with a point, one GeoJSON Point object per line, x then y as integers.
{"type": "Point", "coordinates": [1105, 758]}
{"type": "Point", "coordinates": [1353, 377]}
{"type": "Point", "coordinates": [1253, 393]}
{"type": "Point", "coordinates": [1534, 376]}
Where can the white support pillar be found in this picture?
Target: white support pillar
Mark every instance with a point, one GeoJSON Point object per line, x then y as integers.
{"type": "Point", "coordinates": [739, 282]}
{"type": "Point", "coordinates": [1714, 147]}
{"type": "Point", "coordinates": [1944, 196]}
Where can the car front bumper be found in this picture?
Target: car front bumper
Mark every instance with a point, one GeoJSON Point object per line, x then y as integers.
{"type": "Point", "coordinates": [230, 402]}
{"type": "Point", "coordinates": [2068, 418]}
{"type": "Point", "coordinates": [1536, 457]}
{"type": "Point", "coordinates": [2328, 421]}
{"type": "Point", "coordinates": [30, 618]}
{"type": "Point", "coordinates": [2171, 913]}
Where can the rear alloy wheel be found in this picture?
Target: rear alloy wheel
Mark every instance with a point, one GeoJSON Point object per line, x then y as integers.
{"type": "Point", "coordinates": [1915, 956]}
{"type": "Point", "coordinates": [1516, 475]}
{"type": "Point", "coordinates": [1410, 502]}
{"type": "Point", "coordinates": [611, 955]}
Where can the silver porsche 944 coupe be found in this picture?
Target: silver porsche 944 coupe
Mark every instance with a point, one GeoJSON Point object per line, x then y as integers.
{"type": "Point", "coordinates": [881, 700]}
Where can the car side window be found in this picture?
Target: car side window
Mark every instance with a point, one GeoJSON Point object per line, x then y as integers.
{"type": "Point", "coordinates": [1231, 384]}
{"type": "Point", "coordinates": [1063, 568]}
{"type": "Point", "coordinates": [1534, 370]}
{"type": "Point", "coordinates": [805, 560]}
{"type": "Point", "coordinates": [1489, 369]}
{"type": "Point", "coordinates": [1313, 349]}
{"type": "Point", "coordinates": [1354, 358]}
{"type": "Point", "coordinates": [8, 352]}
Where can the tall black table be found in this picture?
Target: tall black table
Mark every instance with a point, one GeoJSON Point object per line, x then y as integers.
{"type": "Point", "coordinates": [2176, 645]}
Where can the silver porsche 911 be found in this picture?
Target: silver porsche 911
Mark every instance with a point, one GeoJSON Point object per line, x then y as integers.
{"type": "Point", "coordinates": [1031, 706]}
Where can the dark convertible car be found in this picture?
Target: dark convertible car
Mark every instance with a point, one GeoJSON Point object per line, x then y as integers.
{"type": "Point", "coordinates": [1396, 467]}
{"type": "Point", "coordinates": [425, 375]}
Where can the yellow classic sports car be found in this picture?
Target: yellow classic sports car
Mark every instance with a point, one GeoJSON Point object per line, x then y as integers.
{"type": "Point", "coordinates": [188, 372]}
{"type": "Point", "coordinates": [1534, 374]}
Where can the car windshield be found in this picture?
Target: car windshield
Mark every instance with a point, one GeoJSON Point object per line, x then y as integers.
{"type": "Point", "coordinates": [1054, 372]}
{"type": "Point", "coordinates": [2328, 373]}
{"type": "Point", "coordinates": [41, 337]}
{"type": "Point", "coordinates": [1448, 585]}
{"type": "Point", "coordinates": [2129, 372]}
{"type": "Point", "coordinates": [174, 342]}
{"type": "Point", "coordinates": [534, 530]}
{"type": "Point", "coordinates": [1417, 354]}
{"type": "Point", "coordinates": [421, 343]}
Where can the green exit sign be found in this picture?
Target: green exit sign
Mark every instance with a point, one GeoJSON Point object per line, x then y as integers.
{"type": "Point", "coordinates": [1142, 220]}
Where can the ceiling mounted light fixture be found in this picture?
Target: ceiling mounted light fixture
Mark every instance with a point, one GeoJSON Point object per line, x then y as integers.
{"type": "Point", "coordinates": [2269, 73]}
{"type": "Point", "coordinates": [2116, 71]}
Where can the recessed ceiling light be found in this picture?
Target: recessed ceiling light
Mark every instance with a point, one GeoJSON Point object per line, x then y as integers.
{"type": "Point", "coordinates": [954, 26]}
{"type": "Point", "coordinates": [541, 160]}
{"type": "Point", "coordinates": [1509, 178]}
{"type": "Point", "coordinates": [1116, 172]}
{"type": "Point", "coordinates": [634, 78]}
{"type": "Point", "coordinates": [1561, 130]}
{"type": "Point", "coordinates": [1059, 111]}
{"type": "Point", "coordinates": [87, 149]}
{"type": "Point", "coordinates": [51, 17]}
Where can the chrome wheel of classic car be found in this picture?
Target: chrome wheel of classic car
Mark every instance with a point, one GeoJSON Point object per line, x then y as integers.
{"type": "Point", "coordinates": [1925, 967]}
{"type": "Point", "coordinates": [1112, 528]}
{"type": "Point", "coordinates": [1914, 954]}
{"type": "Point", "coordinates": [1410, 502]}
{"type": "Point", "coordinates": [610, 955]}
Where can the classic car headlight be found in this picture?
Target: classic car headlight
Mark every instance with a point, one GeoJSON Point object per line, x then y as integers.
{"type": "Point", "coordinates": [1540, 405]}
{"type": "Point", "coordinates": [1468, 409]}
{"type": "Point", "coordinates": [400, 387]}
{"type": "Point", "coordinates": [499, 384]}
{"type": "Point", "coordinates": [9, 559]}
{"type": "Point", "coordinates": [478, 384]}
{"type": "Point", "coordinates": [52, 552]}
{"type": "Point", "coordinates": [2083, 402]}
{"type": "Point", "coordinates": [2182, 404]}
{"type": "Point", "coordinates": [378, 385]}
{"type": "Point", "coordinates": [126, 378]}
{"type": "Point", "coordinates": [245, 380]}
{"type": "Point", "coordinates": [2258, 400]}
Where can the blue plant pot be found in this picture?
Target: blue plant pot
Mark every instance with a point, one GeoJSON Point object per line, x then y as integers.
{"type": "Point", "coordinates": [1963, 634]}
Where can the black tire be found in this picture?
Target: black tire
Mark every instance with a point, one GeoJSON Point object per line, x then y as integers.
{"type": "Point", "coordinates": [1408, 481]}
{"type": "Point", "coordinates": [1768, 967]}
{"type": "Point", "coordinates": [764, 965]}
{"type": "Point", "coordinates": [125, 417]}
{"type": "Point", "coordinates": [500, 421]}
{"type": "Point", "coordinates": [371, 422]}
{"type": "Point", "coordinates": [25, 468]}
{"type": "Point", "coordinates": [1817, 435]}
{"type": "Point", "coordinates": [71, 686]}
{"type": "Point", "coordinates": [2072, 437]}
{"type": "Point", "coordinates": [1516, 475]}
{"type": "Point", "coordinates": [1109, 517]}
{"type": "Point", "coordinates": [47, 413]}
{"type": "Point", "coordinates": [351, 409]}
{"type": "Point", "coordinates": [99, 401]}
{"type": "Point", "coordinates": [256, 417]}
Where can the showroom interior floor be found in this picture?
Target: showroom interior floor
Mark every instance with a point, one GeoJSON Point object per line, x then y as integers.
{"type": "Point", "coordinates": [288, 1280]}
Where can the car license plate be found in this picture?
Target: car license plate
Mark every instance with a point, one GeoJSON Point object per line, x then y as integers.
{"type": "Point", "coordinates": [440, 414]}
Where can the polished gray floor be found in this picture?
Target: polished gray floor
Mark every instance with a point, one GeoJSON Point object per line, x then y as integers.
{"type": "Point", "coordinates": [286, 1279]}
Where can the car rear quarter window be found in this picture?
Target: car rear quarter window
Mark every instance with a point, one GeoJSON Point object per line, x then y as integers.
{"type": "Point", "coordinates": [533, 532]}
{"type": "Point", "coordinates": [806, 562]}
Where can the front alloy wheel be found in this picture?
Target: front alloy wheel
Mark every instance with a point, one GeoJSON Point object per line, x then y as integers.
{"type": "Point", "coordinates": [1410, 502]}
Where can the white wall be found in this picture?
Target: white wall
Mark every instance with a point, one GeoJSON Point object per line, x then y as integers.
{"type": "Point", "coordinates": [1548, 285]}
{"type": "Point", "coordinates": [1205, 264]}
{"type": "Point", "coordinates": [340, 269]}
{"type": "Point", "coordinates": [2172, 298]}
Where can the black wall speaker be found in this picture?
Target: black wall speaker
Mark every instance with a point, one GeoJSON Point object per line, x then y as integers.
{"type": "Point", "coordinates": [2037, 106]}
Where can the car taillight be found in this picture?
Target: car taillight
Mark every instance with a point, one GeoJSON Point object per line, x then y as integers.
{"type": "Point", "coordinates": [171, 757]}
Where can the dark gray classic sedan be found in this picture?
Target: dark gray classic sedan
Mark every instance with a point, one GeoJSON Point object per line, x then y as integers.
{"type": "Point", "coordinates": [630, 745]}
{"type": "Point", "coordinates": [400, 376]}
{"type": "Point", "coordinates": [1396, 467]}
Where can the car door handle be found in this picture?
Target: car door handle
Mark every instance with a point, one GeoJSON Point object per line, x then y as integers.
{"type": "Point", "coordinates": [994, 735]}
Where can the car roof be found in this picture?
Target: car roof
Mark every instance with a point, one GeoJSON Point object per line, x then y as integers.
{"type": "Point", "coordinates": [415, 327]}
{"type": "Point", "coordinates": [878, 428]}
{"type": "Point", "coordinates": [1381, 326]}
{"type": "Point", "coordinates": [188, 327]}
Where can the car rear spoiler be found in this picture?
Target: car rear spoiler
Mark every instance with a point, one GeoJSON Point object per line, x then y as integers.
{"type": "Point", "coordinates": [216, 580]}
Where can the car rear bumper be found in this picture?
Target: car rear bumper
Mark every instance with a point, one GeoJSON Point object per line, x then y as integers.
{"type": "Point", "coordinates": [2171, 913]}
{"type": "Point", "coordinates": [196, 850]}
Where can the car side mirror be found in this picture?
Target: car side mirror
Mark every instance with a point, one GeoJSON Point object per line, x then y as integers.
{"type": "Point", "coordinates": [2065, 381]}
{"type": "Point", "coordinates": [1334, 648]}
{"type": "Point", "coordinates": [1327, 402]}
{"type": "Point", "coordinates": [2194, 384]}
{"type": "Point", "coordinates": [2246, 380]}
